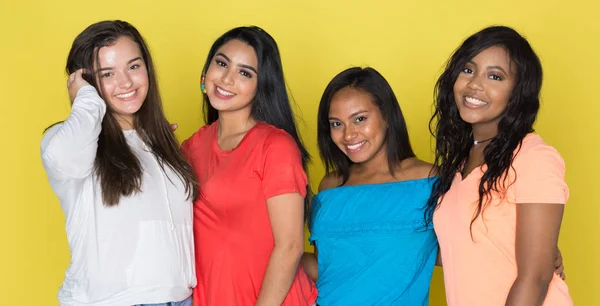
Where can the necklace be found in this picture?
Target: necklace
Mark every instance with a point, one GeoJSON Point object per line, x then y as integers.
{"type": "Point", "coordinates": [475, 142]}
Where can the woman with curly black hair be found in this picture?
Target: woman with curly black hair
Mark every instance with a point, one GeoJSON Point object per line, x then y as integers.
{"type": "Point", "coordinates": [499, 201]}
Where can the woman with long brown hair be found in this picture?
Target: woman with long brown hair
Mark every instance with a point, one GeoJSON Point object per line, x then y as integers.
{"type": "Point", "coordinates": [123, 185]}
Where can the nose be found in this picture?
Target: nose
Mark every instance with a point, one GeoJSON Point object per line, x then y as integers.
{"type": "Point", "coordinates": [349, 133]}
{"type": "Point", "coordinates": [125, 81]}
{"type": "Point", "coordinates": [227, 77]}
{"type": "Point", "coordinates": [476, 82]}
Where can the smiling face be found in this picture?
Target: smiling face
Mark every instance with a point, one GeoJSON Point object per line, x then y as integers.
{"type": "Point", "coordinates": [484, 87]}
{"type": "Point", "coordinates": [357, 126]}
{"type": "Point", "coordinates": [231, 78]}
{"type": "Point", "coordinates": [122, 73]}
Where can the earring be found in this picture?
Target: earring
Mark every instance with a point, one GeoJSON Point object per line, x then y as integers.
{"type": "Point", "coordinates": [202, 87]}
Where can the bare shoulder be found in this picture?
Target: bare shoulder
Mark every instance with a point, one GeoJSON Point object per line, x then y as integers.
{"type": "Point", "coordinates": [331, 180]}
{"type": "Point", "coordinates": [417, 169]}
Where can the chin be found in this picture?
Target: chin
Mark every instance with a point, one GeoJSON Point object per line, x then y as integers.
{"type": "Point", "coordinates": [217, 104]}
{"type": "Point", "coordinates": [469, 118]}
{"type": "Point", "coordinates": [358, 160]}
{"type": "Point", "coordinates": [129, 111]}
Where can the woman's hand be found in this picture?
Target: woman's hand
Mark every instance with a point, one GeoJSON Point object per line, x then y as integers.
{"type": "Point", "coordinates": [75, 82]}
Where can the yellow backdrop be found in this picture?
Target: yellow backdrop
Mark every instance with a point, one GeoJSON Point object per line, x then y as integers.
{"type": "Point", "coordinates": [408, 41]}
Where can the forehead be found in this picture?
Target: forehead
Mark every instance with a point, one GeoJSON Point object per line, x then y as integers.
{"type": "Point", "coordinates": [350, 100]}
{"type": "Point", "coordinates": [239, 51]}
{"type": "Point", "coordinates": [494, 55]}
{"type": "Point", "coordinates": [123, 50]}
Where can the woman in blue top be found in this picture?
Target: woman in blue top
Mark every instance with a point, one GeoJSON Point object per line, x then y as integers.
{"type": "Point", "coordinates": [374, 244]}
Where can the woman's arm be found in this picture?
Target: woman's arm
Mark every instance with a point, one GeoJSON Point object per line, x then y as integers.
{"type": "Point", "coordinates": [538, 226]}
{"type": "Point", "coordinates": [309, 260]}
{"type": "Point", "coordinates": [310, 264]}
{"type": "Point", "coordinates": [286, 214]}
{"type": "Point", "coordinates": [69, 149]}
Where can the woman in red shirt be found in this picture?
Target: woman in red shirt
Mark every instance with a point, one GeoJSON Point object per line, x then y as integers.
{"type": "Point", "coordinates": [250, 162]}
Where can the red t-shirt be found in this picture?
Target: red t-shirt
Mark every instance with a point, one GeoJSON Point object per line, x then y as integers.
{"type": "Point", "coordinates": [232, 232]}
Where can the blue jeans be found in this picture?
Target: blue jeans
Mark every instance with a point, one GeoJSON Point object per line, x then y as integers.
{"type": "Point", "coordinates": [186, 302]}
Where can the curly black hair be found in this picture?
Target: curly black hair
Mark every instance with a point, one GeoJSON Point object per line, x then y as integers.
{"type": "Point", "coordinates": [454, 136]}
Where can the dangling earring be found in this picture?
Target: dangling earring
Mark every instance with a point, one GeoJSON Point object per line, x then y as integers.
{"type": "Point", "coordinates": [202, 87]}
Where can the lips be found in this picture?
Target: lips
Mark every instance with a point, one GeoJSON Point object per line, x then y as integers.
{"type": "Point", "coordinates": [223, 94]}
{"type": "Point", "coordinates": [474, 103]}
{"type": "Point", "coordinates": [127, 95]}
{"type": "Point", "coordinates": [352, 148]}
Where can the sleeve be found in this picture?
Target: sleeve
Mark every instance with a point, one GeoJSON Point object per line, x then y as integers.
{"type": "Point", "coordinates": [314, 209]}
{"type": "Point", "coordinates": [282, 166]}
{"type": "Point", "coordinates": [540, 176]}
{"type": "Point", "coordinates": [68, 150]}
{"type": "Point", "coordinates": [186, 145]}
{"type": "Point", "coordinates": [193, 143]}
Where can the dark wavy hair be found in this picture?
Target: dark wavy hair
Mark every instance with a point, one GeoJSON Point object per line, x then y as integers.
{"type": "Point", "coordinates": [118, 169]}
{"type": "Point", "coordinates": [371, 82]}
{"type": "Point", "coordinates": [271, 102]}
{"type": "Point", "coordinates": [454, 136]}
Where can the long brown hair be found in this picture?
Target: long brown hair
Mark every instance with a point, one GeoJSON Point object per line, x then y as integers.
{"type": "Point", "coordinates": [116, 166]}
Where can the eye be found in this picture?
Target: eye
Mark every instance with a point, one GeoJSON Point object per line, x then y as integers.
{"type": "Point", "coordinates": [335, 124]}
{"type": "Point", "coordinates": [360, 119]}
{"type": "Point", "coordinates": [495, 77]}
{"type": "Point", "coordinates": [246, 73]}
{"type": "Point", "coordinates": [221, 63]}
{"type": "Point", "coordinates": [467, 70]}
{"type": "Point", "coordinates": [135, 66]}
{"type": "Point", "coordinates": [106, 75]}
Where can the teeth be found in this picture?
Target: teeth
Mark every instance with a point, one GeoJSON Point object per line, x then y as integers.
{"type": "Point", "coordinates": [126, 95]}
{"type": "Point", "coordinates": [475, 101]}
{"type": "Point", "coordinates": [223, 92]}
{"type": "Point", "coordinates": [356, 146]}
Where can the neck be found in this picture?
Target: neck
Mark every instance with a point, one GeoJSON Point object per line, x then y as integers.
{"type": "Point", "coordinates": [483, 133]}
{"type": "Point", "coordinates": [125, 122]}
{"type": "Point", "coordinates": [378, 163]}
{"type": "Point", "coordinates": [234, 123]}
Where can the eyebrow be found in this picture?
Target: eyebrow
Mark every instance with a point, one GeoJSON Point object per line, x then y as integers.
{"type": "Point", "coordinates": [352, 115]}
{"type": "Point", "coordinates": [490, 67]}
{"type": "Point", "coordinates": [240, 65]}
{"type": "Point", "coordinates": [129, 62]}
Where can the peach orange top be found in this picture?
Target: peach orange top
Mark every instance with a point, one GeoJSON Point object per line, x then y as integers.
{"type": "Point", "coordinates": [481, 269]}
